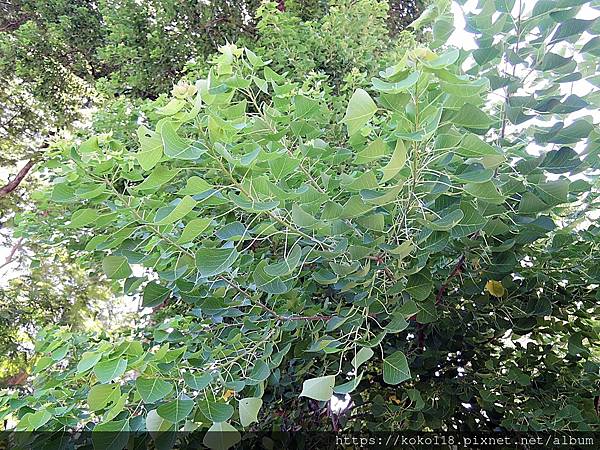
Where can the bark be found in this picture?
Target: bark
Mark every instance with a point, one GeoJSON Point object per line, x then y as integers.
{"type": "Point", "coordinates": [14, 183]}
{"type": "Point", "coordinates": [11, 256]}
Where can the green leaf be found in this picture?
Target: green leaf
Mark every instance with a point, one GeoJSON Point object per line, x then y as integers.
{"type": "Point", "coordinates": [83, 217]}
{"type": "Point", "coordinates": [485, 191]}
{"type": "Point", "coordinates": [372, 152]}
{"type": "Point", "coordinates": [366, 180]}
{"type": "Point", "coordinates": [395, 163]}
{"type": "Point", "coordinates": [349, 386]}
{"type": "Point", "coordinates": [233, 231]}
{"type": "Point", "coordinates": [473, 146]}
{"type": "Point", "coordinates": [559, 134]}
{"type": "Point", "coordinates": [249, 408]}
{"type": "Point", "coordinates": [170, 214]}
{"type": "Point", "coordinates": [255, 60]}
{"type": "Point", "coordinates": [554, 192]}
{"type": "Point", "coordinates": [355, 207]}
{"type": "Point", "coordinates": [154, 295]}
{"type": "Point", "coordinates": [197, 382]}
{"type": "Point", "coordinates": [446, 222]}
{"type": "Point", "coordinates": [159, 176]}
{"type": "Point", "coordinates": [259, 373]}
{"type": "Point", "coordinates": [90, 145]}
{"type": "Point", "coordinates": [283, 166]}
{"type": "Point", "coordinates": [398, 87]}
{"type": "Point", "coordinates": [268, 283]}
{"type": "Point", "coordinates": [505, 6]}
{"type": "Point", "coordinates": [419, 286]}
{"type": "Point", "coordinates": [38, 419]}
{"type": "Point", "coordinates": [156, 423]}
{"type": "Point", "coordinates": [360, 110]}
{"type": "Point", "coordinates": [473, 173]}
{"type": "Point", "coordinates": [113, 434]}
{"type": "Point", "coordinates": [444, 60]}
{"type": "Point", "coordinates": [305, 107]}
{"type": "Point", "coordinates": [570, 27]}
{"type": "Point", "coordinates": [403, 250]}
{"type": "Point", "coordinates": [107, 371]}
{"type": "Point", "coordinates": [117, 406]}
{"type": "Point", "coordinates": [362, 356]}
{"type": "Point", "coordinates": [193, 229]}
{"type": "Point", "coordinates": [287, 265]}
{"type": "Point", "coordinates": [559, 161]}
{"type": "Point", "coordinates": [471, 222]}
{"type": "Point", "coordinates": [214, 411]}
{"type": "Point", "coordinates": [484, 55]}
{"type": "Point", "coordinates": [152, 389]}
{"type": "Point", "coordinates": [100, 395]}
{"type": "Point", "coordinates": [43, 363]}
{"type": "Point", "coordinates": [531, 204]}
{"type": "Point", "coordinates": [195, 185]}
{"type": "Point", "coordinates": [116, 267]}
{"type": "Point", "coordinates": [176, 410]}
{"type": "Point", "coordinates": [302, 218]}
{"type": "Point", "coordinates": [252, 205]}
{"type": "Point", "coordinates": [320, 388]}
{"type": "Point", "coordinates": [173, 107]}
{"type": "Point", "coordinates": [397, 324]}
{"type": "Point", "coordinates": [575, 345]}
{"type": "Point", "coordinates": [87, 361]}
{"type": "Point", "coordinates": [465, 88]}
{"type": "Point", "coordinates": [62, 193]}
{"type": "Point", "coordinates": [151, 150]}
{"type": "Point", "coordinates": [395, 368]}
{"type": "Point", "coordinates": [176, 147]}
{"type": "Point", "coordinates": [469, 116]}
{"type": "Point", "coordinates": [221, 435]}
{"type": "Point", "coordinates": [553, 61]}
{"type": "Point", "coordinates": [214, 261]}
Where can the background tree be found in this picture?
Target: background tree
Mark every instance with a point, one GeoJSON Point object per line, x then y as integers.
{"type": "Point", "coordinates": [53, 291]}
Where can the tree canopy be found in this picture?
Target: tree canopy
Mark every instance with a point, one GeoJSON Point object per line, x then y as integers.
{"type": "Point", "coordinates": [70, 67]}
{"type": "Point", "coordinates": [421, 243]}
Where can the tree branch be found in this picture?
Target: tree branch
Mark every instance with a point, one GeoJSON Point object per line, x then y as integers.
{"type": "Point", "coordinates": [11, 256]}
{"type": "Point", "coordinates": [14, 183]}
{"type": "Point", "coordinates": [444, 286]}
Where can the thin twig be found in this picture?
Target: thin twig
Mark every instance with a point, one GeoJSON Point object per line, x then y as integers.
{"type": "Point", "coordinates": [10, 257]}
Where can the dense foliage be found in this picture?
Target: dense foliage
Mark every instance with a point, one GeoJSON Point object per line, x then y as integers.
{"type": "Point", "coordinates": [58, 56]}
{"type": "Point", "coordinates": [66, 67]}
{"type": "Point", "coordinates": [428, 249]}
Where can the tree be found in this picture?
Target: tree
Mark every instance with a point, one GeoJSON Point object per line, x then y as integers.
{"type": "Point", "coordinates": [435, 261]}
{"type": "Point", "coordinates": [56, 56]}
{"type": "Point", "coordinates": [62, 60]}
{"type": "Point", "coordinates": [54, 291]}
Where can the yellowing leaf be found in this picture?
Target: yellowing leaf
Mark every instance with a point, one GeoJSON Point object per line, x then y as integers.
{"type": "Point", "coordinates": [395, 399]}
{"type": "Point", "coordinates": [495, 288]}
{"type": "Point", "coordinates": [228, 393]}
